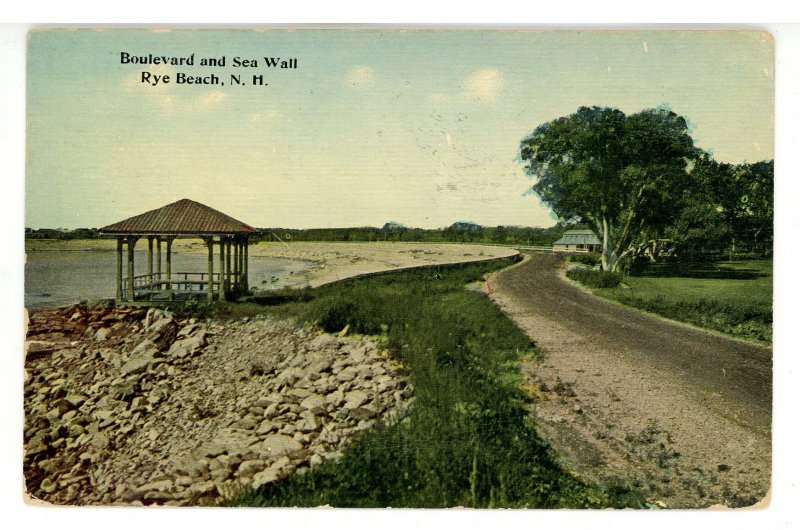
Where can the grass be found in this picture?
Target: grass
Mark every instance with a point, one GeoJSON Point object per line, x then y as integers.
{"type": "Point", "coordinates": [467, 439]}
{"type": "Point", "coordinates": [733, 297]}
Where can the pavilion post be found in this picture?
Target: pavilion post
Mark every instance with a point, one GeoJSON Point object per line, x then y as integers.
{"type": "Point", "coordinates": [236, 265]}
{"type": "Point", "coordinates": [228, 263]}
{"type": "Point", "coordinates": [245, 266]}
{"type": "Point", "coordinates": [131, 246]}
{"type": "Point", "coordinates": [169, 267]}
{"type": "Point", "coordinates": [210, 268]}
{"type": "Point", "coordinates": [150, 263]}
{"type": "Point", "coordinates": [119, 269]}
{"type": "Point", "coordinates": [241, 264]}
{"type": "Point", "coordinates": [158, 260]}
{"type": "Point", "coordinates": [221, 268]}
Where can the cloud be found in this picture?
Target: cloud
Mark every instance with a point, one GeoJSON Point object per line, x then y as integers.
{"type": "Point", "coordinates": [360, 76]}
{"type": "Point", "coordinates": [211, 98]}
{"type": "Point", "coordinates": [484, 85]}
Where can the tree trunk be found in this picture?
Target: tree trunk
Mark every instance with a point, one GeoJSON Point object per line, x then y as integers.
{"type": "Point", "coordinates": [608, 258]}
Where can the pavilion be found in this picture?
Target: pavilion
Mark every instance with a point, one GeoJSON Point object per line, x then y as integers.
{"type": "Point", "coordinates": [182, 219]}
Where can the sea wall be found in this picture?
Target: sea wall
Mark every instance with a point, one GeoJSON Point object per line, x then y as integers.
{"type": "Point", "coordinates": [135, 406]}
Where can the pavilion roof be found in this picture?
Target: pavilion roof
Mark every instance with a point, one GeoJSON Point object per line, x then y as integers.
{"type": "Point", "coordinates": [184, 217]}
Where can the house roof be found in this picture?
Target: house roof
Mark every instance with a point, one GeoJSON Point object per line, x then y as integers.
{"type": "Point", "coordinates": [578, 237]}
{"type": "Point", "coordinates": [182, 217]}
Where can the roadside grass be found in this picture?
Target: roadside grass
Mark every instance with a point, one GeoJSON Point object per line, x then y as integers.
{"type": "Point", "coordinates": [467, 439]}
{"type": "Point", "coordinates": [733, 297]}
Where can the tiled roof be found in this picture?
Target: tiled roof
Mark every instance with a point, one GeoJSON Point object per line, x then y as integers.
{"type": "Point", "coordinates": [578, 237]}
{"type": "Point", "coordinates": [182, 217]}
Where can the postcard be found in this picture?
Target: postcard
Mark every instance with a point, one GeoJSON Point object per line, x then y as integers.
{"type": "Point", "coordinates": [409, 268]}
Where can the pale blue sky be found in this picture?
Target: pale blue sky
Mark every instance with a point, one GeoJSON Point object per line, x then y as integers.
{"type": "Point", "coordinates": [416, 127]}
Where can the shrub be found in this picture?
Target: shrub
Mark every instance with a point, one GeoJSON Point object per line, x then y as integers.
{"type": "Point", "coordinates": [591, 259]}
{"type": "Point", "coordinates": [595, 279]}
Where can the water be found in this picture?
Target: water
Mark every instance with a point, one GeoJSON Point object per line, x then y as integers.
{"type": "Point", "coordinates": [62, 278]}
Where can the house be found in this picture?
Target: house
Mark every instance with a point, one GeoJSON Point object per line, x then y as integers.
{"type": "Point", "coordinates": [577, 241]}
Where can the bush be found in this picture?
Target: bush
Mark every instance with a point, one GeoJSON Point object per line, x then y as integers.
{"type": "Point", "coordinates": [592, 259]}
{"type": "Point", "coordinates": [595, 279]}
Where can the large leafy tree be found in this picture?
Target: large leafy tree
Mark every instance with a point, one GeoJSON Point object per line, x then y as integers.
{"type": "Point", "coordinates": [619, 174]}
{"type": "Point", "coordinates": [729, 209]}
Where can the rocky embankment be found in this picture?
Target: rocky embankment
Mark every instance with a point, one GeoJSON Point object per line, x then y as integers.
{"type": "Point", "coordinates": [135, 406]}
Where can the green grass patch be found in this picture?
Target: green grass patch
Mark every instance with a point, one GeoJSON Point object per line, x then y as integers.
{"type": "Point", "coordinates": [733, 297]}
{"type": "Point", "coordinates": [467, 439]}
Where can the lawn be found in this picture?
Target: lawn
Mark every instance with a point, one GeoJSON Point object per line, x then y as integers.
{"type": "Point", "coordinates": [468, 439]}
{"type": "Point", "coordinates": [734, 297]}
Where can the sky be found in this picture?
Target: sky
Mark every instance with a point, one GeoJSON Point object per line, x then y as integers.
{"type": "Point", "coordinates": [416, 127]}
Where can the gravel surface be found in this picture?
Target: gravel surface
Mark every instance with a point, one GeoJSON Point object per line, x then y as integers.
{"type": "Point", "coordinates": [631, 399]}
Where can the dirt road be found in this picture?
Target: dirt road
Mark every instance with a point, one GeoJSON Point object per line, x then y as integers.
{"type": "Point", "coordinates": [629, 399]}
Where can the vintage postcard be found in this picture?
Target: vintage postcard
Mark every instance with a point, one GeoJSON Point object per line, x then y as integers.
{"type": "Point", "coordinates": [399, 268]}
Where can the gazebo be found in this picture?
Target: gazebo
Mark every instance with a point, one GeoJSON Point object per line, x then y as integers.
{"type": "Point", "coordinates": [182, 219]}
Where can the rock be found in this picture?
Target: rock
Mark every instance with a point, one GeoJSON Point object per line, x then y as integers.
{"type": "Point", "coordinates": [320, 366]}
{"type": "Point", "coordinates": [159, 485]}
{"type": "Point", "coordinates": [211, 449]}
{"type": "Point", "coordinates": [76, 400]}
{"type": "Point", "coordinates": [48, 486]}
{"type": "Point", "coordinates": [315, 403]}
{"type": "Point", "coordinates": [279, 444]}
{"type": "Point", "coordinates": [335, 398]}
{"type": "Point", "coordinates": [157, 496]}
{"type": "Point", "coordinates": [363, 413]}
{"type": "Point", "coordinates": [103, 415]}
{"type": "Point", "coordinates": [248, 468]}
{"type": "Point", "coordinates": [145, 348]}
{"type": "Point", "coordinates": [37, 444]}
{"type": "Point", "coordinates": [266, 427]}
{"type": "Point", "coordinates": [347, 374]}
{"type": "Point", "coordinates": [201, 488]}
{"type": "Point", "coordinates": [136, 365]}
{"type": "Point", "coordinates": [99, 441]}
{"type": "Point", "coordinates": [187, 347]}
{"type": "Point", "coordinates": [187, 330]}
{"type": "Point", "coordinates": [324, 342]}
{"type": "Point", "coordinates": [272, 473]}
{"type": "Point", "coordinates": [102, 334]}
{"type": "Point", "coordinates": [299, 393]}
{"type": "Point", "coordinates": [355, 399]}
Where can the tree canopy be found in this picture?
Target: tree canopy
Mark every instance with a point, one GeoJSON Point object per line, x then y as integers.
{"type": "Point", "coordinates": [620, 174]}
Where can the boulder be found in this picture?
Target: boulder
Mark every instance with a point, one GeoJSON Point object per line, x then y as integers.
{"type": "Point", "coordinates": [355, 399]}
{"type": "Point", "coordinates": [280, 444]}
{"type": "Point", "coordinates": [187, 347]}
{"type": "Point", "coordinates": [102, 334]}
{"type": "Point", "coordinates": [315, 403]}
{"type": "Point", "coordinates": [145, 348]}
{"type": "Point", "coordinates": [136, 365]}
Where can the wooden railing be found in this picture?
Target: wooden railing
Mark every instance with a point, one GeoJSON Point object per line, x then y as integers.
{"type": "Point", "coordinates": [180, 282]}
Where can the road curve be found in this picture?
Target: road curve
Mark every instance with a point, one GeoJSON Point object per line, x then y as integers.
{"type": "Point", "coordinates": [625, 373]}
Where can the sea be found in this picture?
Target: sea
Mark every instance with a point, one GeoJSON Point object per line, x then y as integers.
{"type": "Point", "coordinates": [56, 278]}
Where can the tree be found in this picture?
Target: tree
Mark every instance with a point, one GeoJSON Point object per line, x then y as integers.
{"type": "Point", "coordinates": [730, 208]}
{"type": "Point", "coordinates": [619, 174]}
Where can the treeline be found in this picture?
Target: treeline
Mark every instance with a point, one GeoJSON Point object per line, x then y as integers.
{"type": "Point", "coordinates": [461, 232]}
{"type": "Point", "coordinates": [62, 234]}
